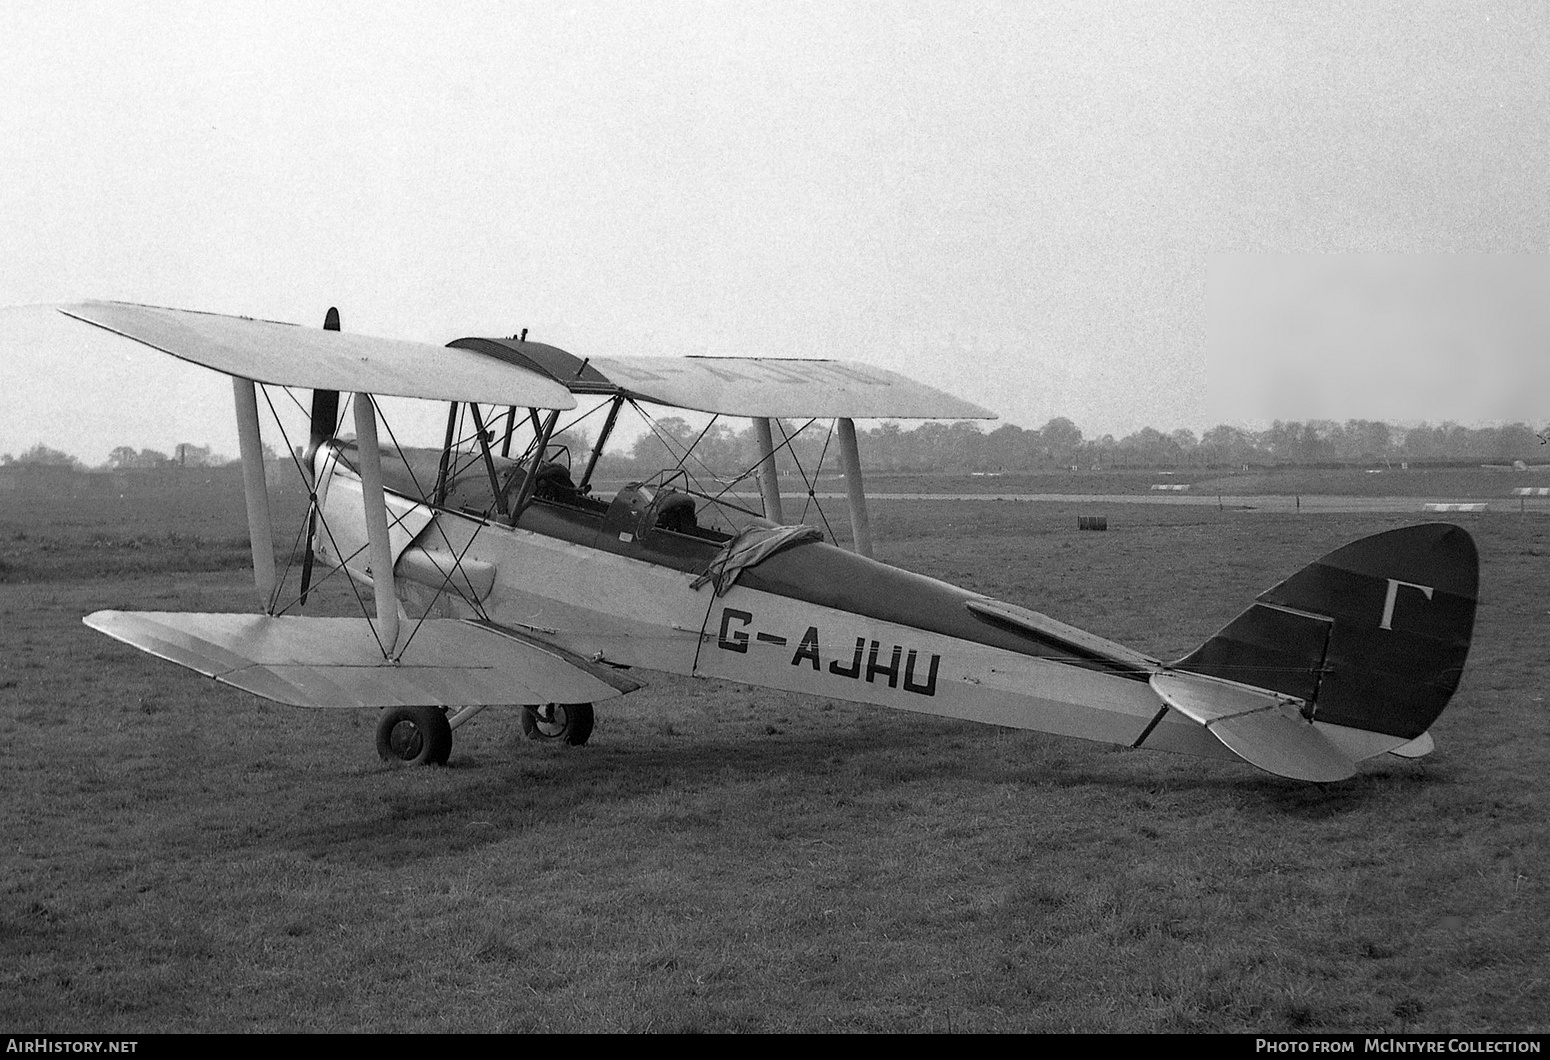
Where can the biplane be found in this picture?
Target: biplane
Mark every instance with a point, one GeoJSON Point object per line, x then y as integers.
{"type": "Point", "coordinates": [492, 576]}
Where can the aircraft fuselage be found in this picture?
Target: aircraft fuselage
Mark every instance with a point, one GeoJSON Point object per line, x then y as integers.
{"type": "Point", "coordinates": [608, 583]}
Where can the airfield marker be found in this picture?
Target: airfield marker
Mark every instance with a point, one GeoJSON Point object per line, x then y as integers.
{"type": "Point", "coordinates": [1525, 492]}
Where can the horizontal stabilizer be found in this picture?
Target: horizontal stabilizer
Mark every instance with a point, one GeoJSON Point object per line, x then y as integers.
{"type": "Point", "coordinates": [336, 662]}
{"type": "Point", "coordinates": [1262, 728]}
{"type": "Point", "coordinates": [1419, 747]}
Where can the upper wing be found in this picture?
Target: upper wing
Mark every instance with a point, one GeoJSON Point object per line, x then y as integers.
{"type": "Point", "coordinates": [776, 387]}
{"type": "Point", "coordinates": [741, 386]}
{"type": "Point", "coordinates": [290, 355]}
{"type": "Point", "coordinates": [335, 662]}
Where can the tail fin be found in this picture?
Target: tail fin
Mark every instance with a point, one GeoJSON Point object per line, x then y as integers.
{"type": "Point", "coordinates": [1373, 636]}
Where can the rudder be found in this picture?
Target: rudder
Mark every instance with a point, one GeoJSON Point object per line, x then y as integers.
{"type": "Point", "coordinates": [1372, 636]}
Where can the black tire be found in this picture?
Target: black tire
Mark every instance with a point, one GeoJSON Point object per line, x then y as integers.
{"type": "Point", "coordinates": [414, 736]}
{"type": "Point", "coordinates": [569, 723]}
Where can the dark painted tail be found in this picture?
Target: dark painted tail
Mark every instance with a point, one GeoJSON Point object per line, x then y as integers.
{"type": "Point", "coordinates": [1373, 636]}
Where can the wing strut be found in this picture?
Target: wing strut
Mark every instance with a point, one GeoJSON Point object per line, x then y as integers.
{"type": "Point", "coordinates": [850, 460]}
{"type": "Point", "coordinates": [444, 472]}
{"type": "Point", "coordinates": [597, 449]}
{"type": "Point", "coordinates": [769, 484]}
{"type": "Point", "coordinates": [380, 550]}
{"type": "Point", "coordinates": [540, 446]}
{"type": "Point", "coordinates": [489, 461]}
{"type": "Point", "coordinates": [256, 489]}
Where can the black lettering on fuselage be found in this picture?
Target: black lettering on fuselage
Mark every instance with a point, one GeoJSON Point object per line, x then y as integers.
{"type": "Point", "coordinates": [927, 689]}
{"type": "Point", "coordinates": [891, 670]}
{"type": "Point", "coordinates": [737, 640]}
{"type": "Point", "coordinates": [808, 649]}
{"type": "Point", "coordinates": [854, 669]}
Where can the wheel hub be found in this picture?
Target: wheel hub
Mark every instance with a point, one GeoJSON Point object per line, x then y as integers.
{"type": "Point", "coordinates": [406, 740]}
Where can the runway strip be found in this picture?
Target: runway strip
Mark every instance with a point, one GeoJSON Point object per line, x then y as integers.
{"type": "Point", "coordinates": [1269, 503]}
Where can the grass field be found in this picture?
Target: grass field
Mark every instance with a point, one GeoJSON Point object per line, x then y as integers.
{"type": "Point", "coordinates": [181, 856]}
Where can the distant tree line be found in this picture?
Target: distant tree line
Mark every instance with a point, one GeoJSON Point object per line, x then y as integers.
{"type": "Point", "coordinates": [126, 458]}
{"type": "Point", "coordinates": [965, 447]}
{"type": "Point", "coordinates": [729, 449]}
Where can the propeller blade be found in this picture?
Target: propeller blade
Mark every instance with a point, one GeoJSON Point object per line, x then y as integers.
{"type": "Point", "coordinates": [306, 560]}
{"type": "Point", "coordinates": [325, 422]}
{"type": "Point", "coordinates": [325, 403]}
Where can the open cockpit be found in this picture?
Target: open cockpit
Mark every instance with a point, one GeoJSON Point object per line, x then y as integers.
{"type": "Point", "coordinates": [654, 521]}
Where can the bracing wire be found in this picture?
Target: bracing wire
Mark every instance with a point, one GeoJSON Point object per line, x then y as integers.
{"type": "Point", "coordinates": [812, 496]}
{"type": "Point", "coordinates": [817, 471]}
{"type": "Point", "coordinates": [312, 505]}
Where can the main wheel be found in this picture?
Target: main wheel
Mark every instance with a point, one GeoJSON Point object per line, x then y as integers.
{"type": "Point", "coordinates": [563, 722]}
{"type": "Point", "coordinates": [414, 736]}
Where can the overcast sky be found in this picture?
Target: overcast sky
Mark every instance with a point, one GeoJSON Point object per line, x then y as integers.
{"type": "Point", "coordinates": [1019, 202]}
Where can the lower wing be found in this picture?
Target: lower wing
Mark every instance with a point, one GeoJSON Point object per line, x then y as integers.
{"type": "Point", "coordinates": [337, 662]}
